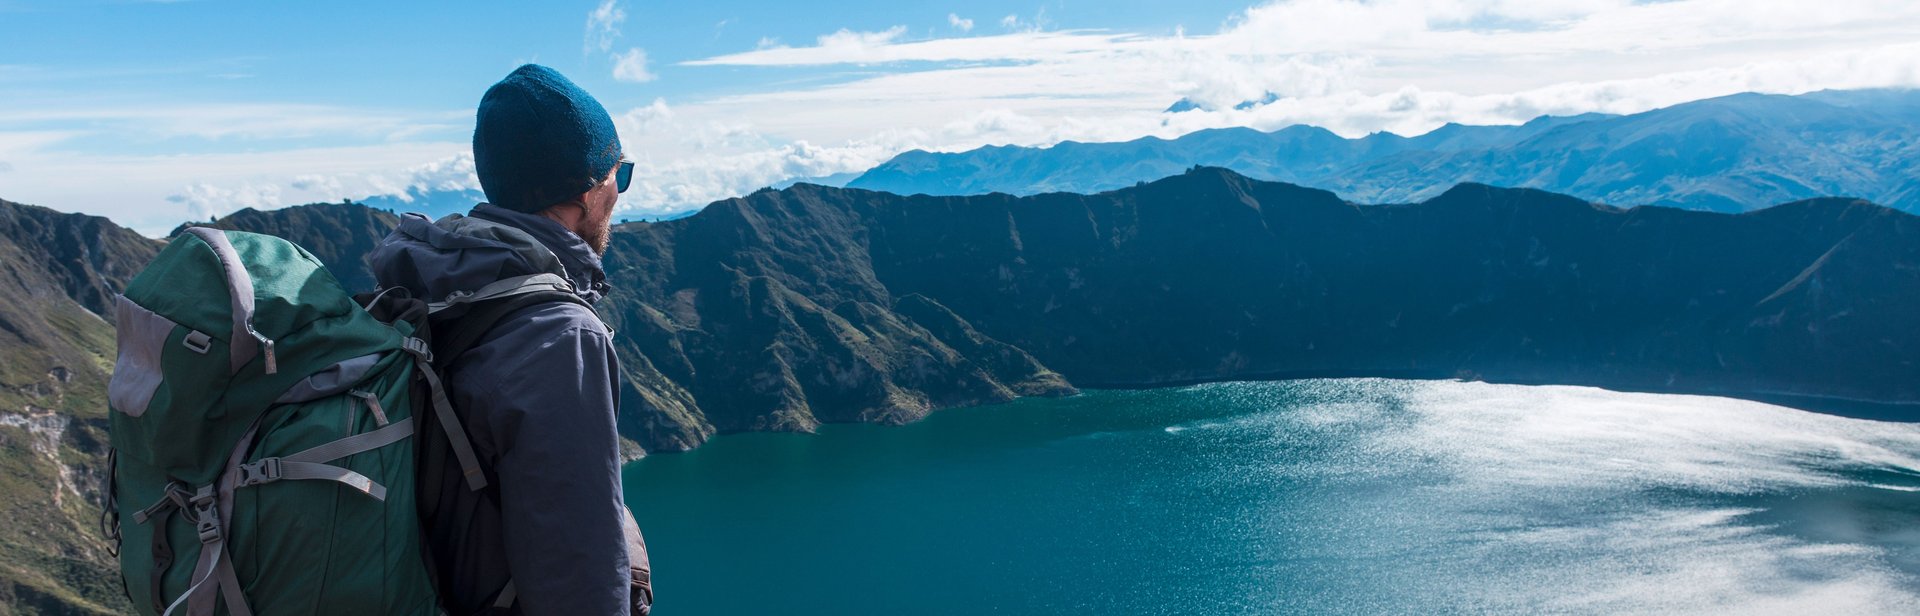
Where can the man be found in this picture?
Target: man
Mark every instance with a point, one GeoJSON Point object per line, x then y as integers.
{"type": "Point", "coordinates": [537, 392]}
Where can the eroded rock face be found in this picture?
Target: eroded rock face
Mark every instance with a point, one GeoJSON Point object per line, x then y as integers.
{"type": "Point", "coordinates": [58, 275]}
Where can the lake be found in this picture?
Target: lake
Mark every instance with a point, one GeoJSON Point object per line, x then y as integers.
{"type": "Point", "coordinates": [1341, 496]}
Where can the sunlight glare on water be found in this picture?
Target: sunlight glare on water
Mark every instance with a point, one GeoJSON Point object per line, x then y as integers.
{"type": "Point", "coordinates": [1323, 496]}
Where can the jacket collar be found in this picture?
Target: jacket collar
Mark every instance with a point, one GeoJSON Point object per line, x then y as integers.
{"type": "Point", "coordinates": [582, 264]}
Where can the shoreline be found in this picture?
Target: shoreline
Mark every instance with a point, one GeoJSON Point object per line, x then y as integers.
{"type": "Point", "coordinates": [1902, 411]}
{"type": "Point", "coordinates": [1838, 406]}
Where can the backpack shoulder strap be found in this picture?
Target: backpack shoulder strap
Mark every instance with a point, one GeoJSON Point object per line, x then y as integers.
{"type": "Point", "coordinates": [467, 329]}
{"type": "Point", "coordinates": [503, 288]}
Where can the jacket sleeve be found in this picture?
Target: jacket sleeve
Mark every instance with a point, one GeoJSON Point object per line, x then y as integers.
{"type": "Point", "coordinates": [552, 422]}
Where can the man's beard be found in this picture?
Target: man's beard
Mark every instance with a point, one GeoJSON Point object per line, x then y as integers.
{"type": "Point", "coordinates": [599, 233]}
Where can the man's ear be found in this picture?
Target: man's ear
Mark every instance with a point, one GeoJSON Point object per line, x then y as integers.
{"type": "Point", "coordinates": [568, 212]}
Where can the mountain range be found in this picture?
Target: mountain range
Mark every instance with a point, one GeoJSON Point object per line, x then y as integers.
{"type": "Point", "coordinates": [786, 309]}
{"type": "Point", "coordinates": [1728, 154]}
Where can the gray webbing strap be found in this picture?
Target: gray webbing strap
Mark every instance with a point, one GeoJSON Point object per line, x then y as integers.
{"type": "Point", "coordinates": [449, 423]}
{"type": "Point", "coordinates": [212, 512]}
{"type": "Point", "coordinates": [373, 404]}
{"type": "Point", "coordinates": [309, 464]}
{"type": "Point", "coordinates": [313, 470]}
{"type": "Point", "coordinates": [240, 288]}
{"type": "Point", "coordinates": [506, 287]}
{"type": "Point", "coordinates": [357, 443]}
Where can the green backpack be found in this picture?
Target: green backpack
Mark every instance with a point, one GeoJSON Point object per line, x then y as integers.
{"type": "Point", "coordinates": [262, 429]}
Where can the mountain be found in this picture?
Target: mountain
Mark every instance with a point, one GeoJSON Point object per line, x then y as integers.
{"type": "Point", "coordinates": [433, 203]}
{"type": "Point", "coordinates": [784, 310]}
{"type": "Point", "coordinates": [341, 235]}
{"type": "Point", "coordinates": [58, 276]}
{"type": "Point", "coordinates": [1728, 154]}
{"type": "Point", "coordinates": [789, 361]}
{"type": "Point", "coordinates": [1211, 275]}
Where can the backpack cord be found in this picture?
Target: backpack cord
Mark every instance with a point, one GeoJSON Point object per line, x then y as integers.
{"type": "Point", "coordinates": [109, 508]}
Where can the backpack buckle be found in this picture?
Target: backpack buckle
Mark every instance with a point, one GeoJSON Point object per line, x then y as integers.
{"type": "Point", "coordinates": [419, 348]}
{"type": "Point", "coordinates": [206, 516]}
{"type": "Point", "coordinates": [265, 470]}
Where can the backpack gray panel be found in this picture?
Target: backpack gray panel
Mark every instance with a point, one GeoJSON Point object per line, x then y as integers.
{"type": "Point", "coordinates": [142, 337]}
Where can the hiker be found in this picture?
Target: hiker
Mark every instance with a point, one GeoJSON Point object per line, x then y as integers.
{"type": "Point", "coordinates": [537, 392]}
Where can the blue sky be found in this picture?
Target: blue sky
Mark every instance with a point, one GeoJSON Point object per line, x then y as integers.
{"type": "Point", "coordinates": [155, 112]}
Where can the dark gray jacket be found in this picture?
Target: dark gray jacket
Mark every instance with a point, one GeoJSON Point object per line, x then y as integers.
{"type": "Point", "coordinates": [538, 397]}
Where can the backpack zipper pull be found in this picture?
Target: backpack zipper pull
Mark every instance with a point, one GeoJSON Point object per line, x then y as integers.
{"type": "Point", "coordinates": [266, 348]}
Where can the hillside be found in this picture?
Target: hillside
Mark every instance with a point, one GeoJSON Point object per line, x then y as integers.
{"type": "Point", "coordinates": [786, 309]}
{"type": "Point", "coordinates": [58, 274]}
{"type": "Point", "coordinates": [1211, 275]}
{"type": "Point", "coordinates": [341, 235]}
{"type": "Point", "coordinates": [1728, 154]}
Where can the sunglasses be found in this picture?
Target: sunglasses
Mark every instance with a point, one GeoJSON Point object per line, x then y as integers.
{"type": "Point", "coordinates": [624, 177]}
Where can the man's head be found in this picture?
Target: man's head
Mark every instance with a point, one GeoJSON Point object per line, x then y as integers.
{"type": "Point", "coordinates": [542, 145]}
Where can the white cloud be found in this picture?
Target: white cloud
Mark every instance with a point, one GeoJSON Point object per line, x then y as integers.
{"type": "Point", "coordinates": [153, 193]}
{"type": "Point", "coordinates": [203, 200]}
{"type": "Point", "coordinates": [632, 66]}
{"type": "Point", "coordinates": [603, 25]}
{"type": "Point", "coordinates": [239, 121]}
{"type": "Point", "coordinates": [846, 47]}
{"type": "Point", "coordinates": [641, 121]}
{"type": "Point", "coordinates": [853, 44]}
{"type": "Point", "coordinates": [1354, 67]}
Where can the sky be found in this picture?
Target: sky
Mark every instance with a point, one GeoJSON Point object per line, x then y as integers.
{"type": "Point", "coordinates": [153, 112]}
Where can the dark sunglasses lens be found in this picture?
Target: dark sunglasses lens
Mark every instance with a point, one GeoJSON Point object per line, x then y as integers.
{"type": "Point", "coordinates": [625, 176]}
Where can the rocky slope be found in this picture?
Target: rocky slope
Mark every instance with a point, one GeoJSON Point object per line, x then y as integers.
{"type": "Point", "coordinates": [786, 309]}
{"type": "Point", "coordinates": [1211, 275]}
{"type": "Point", "coordinates": [58, 274]}
{"type": "Point", "coordinates": [341, 235]}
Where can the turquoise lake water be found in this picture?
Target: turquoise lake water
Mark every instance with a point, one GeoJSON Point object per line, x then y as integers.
{"type": "Point", "coordinates": [1349, 496]}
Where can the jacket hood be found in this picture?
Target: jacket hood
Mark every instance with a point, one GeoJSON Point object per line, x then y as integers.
{"type": "Point", "coordinates": [433, 259]}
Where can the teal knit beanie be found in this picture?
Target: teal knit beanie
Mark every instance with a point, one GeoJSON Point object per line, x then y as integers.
{"type": "Point", "coordinates": [540, 140]}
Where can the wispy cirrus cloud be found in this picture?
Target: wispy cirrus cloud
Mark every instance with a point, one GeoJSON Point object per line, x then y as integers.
{"type": "Point", "coordinates": [234, 120]}
{"type": "Point", "coordinates": [603, 26]}
{"type": "Point", "coordinates": [631, 66]}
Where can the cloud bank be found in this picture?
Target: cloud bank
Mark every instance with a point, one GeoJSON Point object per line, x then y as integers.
{"type": "Point", "coordinates": [854, 98]}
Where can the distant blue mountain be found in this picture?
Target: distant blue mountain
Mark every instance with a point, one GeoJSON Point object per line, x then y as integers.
{"type": "Point", "coordinates": [1730, 154]}
{"type": "Point", "coordinates": [437, 203]}
{"type": "Point", "coordinates": [837, 180]}
{"type": "Point", "coordinates": [433, 203]}
{"type": "Point", "coordinates": [1187, 104]}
